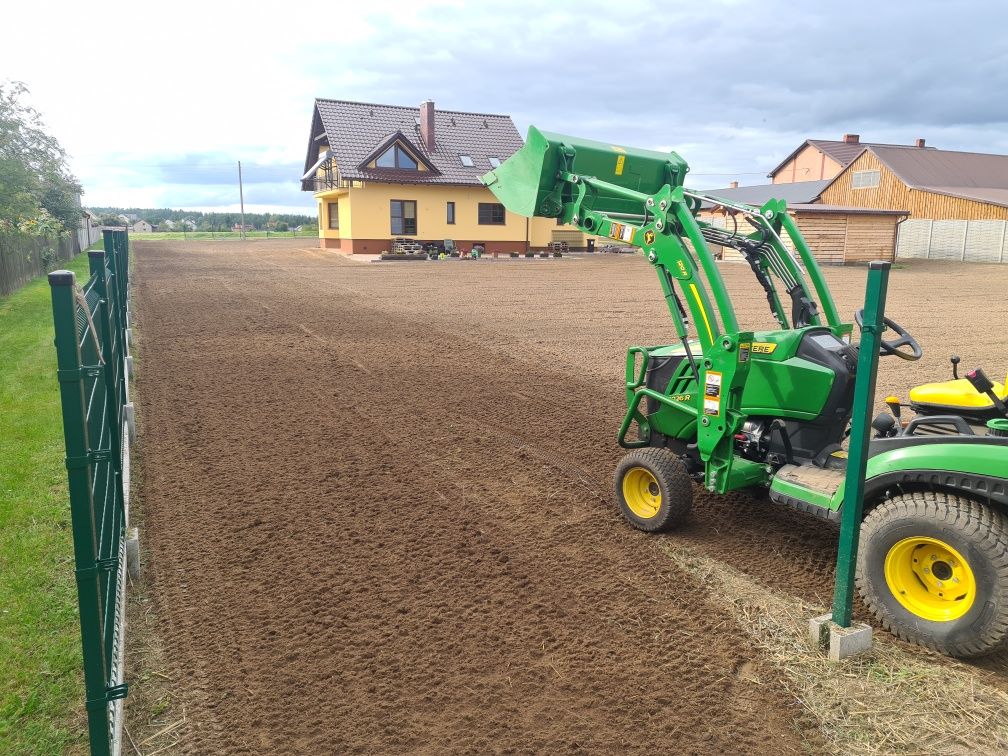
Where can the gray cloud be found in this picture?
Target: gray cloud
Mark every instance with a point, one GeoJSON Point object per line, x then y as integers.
{"type": "Point", "coordinates": [732, 86]}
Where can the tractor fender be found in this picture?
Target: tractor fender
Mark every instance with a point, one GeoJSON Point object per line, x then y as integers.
{"type": "Point", "coordinates": [977, 470]}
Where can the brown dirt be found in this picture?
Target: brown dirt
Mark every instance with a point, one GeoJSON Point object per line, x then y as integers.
{"type": "Point", "coordinates": [378, 515]}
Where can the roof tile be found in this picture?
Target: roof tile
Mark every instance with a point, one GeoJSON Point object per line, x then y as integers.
{"type": "Point", "coordinates": [355, 129]}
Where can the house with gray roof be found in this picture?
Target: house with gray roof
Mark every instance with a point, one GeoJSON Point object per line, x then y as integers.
{"type": "Point", "coordinates": [388, 175]}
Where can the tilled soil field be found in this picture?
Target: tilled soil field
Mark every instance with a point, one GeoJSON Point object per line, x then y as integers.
{"type": "Point", "coordinates": [378, 514]}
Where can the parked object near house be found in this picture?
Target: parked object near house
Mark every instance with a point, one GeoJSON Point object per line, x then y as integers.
{"type": "Point", "coordinates": [382, 172]}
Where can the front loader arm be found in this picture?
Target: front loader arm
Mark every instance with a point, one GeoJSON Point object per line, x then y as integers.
{"type": "Point", "coordinates": [637, 197]}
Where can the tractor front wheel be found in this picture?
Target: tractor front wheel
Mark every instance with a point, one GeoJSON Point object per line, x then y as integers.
{"type": "Point", "coordinates": [653, 489]}
{"type": "Point", "coordinates": [933, 568]}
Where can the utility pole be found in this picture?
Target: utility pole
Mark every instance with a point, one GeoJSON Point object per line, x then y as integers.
{"type": "Point", "coordinates": [241, 195]}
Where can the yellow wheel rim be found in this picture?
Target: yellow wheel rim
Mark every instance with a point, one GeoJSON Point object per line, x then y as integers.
{"type": "Point", "coordinates": [641, 492]}
{"type": "Point", "coordinates": [930, 579]}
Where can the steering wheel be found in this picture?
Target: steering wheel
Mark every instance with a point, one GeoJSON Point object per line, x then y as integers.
{"type": "Point", "coordinates": [893, 347]}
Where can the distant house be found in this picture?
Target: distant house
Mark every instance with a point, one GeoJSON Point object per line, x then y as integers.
{"type": "Point", "coordinates": [166, 225]}
{"type": "Point", "coordinates": [237, 227]}
{"type": "Point", "coordinates": [835, 234]}
{"type": "Point", "coordinates": [123, 219]}
{"type": "Point", "coordinates": [142, 227]}
{"type": "Point", "coordinates": [385, 172]}
{"type": "Point", "coordinates": [821, 159]}
{"type": "Point", "coordinates": [949, 204]}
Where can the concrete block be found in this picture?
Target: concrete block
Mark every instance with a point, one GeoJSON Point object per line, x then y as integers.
{"type": "Point", "coordinates": [819, 630]}
{"type": "Point", "coordinates": [839, 642]}
{"type": "Point", "coordinates": [129, 336]}
{"type": "Point", "coordinates": [129, 366]}
{"type": "Point", "coordinates": [130, 421]}
{"type": "Point", "coordinates": [845, 642]}
{"type": "Point", "coordinates": [133, 553]}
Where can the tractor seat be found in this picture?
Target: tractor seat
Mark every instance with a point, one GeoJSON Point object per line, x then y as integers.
{"type": "Point", "coordinates": [958, 394]}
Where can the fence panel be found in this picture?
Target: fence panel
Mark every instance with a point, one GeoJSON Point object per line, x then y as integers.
{"type": "Point", "coordinates": [24, 257]}
{"type": "Point", "coordinates": [966, 241]}
{"type": "Point", "coordinates": [92, 354]}
{"type": "Point", "coordinates": [914, 238]}
{"type": "Point", "coordinates": [983, 241]}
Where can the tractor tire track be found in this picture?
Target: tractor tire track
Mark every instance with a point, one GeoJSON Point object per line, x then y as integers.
{"type": "Point", "coordinates": [366, 534]}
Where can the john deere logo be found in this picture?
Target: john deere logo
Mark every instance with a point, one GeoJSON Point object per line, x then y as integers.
{"type": "Point", "coordinates": [649, 237]}
{"type": "Point", "coordinates": [763, 347]}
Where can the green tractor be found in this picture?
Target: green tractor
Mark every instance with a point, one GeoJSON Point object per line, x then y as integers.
{"type": "Point", "coordinates": [737, 409]}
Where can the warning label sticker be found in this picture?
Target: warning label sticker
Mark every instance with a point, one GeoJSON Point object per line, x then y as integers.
{"type": "Point", "coordinates": [619, 164]}
{"type": "Point", "coordinates": [622, 232]}
{"type": "Point", "coordinates": [743, 351]}
{"type": "Point", "coordinates": [712, 393]}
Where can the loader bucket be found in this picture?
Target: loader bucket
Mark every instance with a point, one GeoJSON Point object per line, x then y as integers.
{"type": "Point", "coordinates": [527, 183]}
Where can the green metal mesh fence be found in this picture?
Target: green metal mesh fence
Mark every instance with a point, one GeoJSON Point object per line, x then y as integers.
{"type": "Point", "coordinates": [92, 355]}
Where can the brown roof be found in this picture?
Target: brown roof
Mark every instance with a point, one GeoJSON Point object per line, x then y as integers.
{"type": "Point", "coordinates": [355, 130]}
{"type": "Point", "coordinates": [840, 151]}
{"type": "Point", "coordinates": [971, 175]}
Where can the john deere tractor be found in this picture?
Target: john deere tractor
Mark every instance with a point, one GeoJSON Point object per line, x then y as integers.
{"type": "Point", "coordinates": [736, 409]}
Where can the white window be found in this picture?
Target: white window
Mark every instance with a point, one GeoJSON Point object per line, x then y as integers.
{"type": "Point", "coordinates": [865, 179]}
{"type": "Point", "coordinates": [466, 161]}
{"type": "Point", "coordinates": [494, 162]}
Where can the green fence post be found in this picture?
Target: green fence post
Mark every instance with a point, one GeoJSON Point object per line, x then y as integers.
{"type": "Point", "coordinates": [857, 452]}
{"type": "Point", "coordinates": [71, 374]}
{"type": "Point", "coordinates": [110, 338]}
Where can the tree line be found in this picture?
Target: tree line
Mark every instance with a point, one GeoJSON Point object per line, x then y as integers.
{"type": "Point", "coordinates": [204, 221]}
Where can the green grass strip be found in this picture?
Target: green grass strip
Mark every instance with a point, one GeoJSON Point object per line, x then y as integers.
{"type": "Point", "coordinates": [41, 677]}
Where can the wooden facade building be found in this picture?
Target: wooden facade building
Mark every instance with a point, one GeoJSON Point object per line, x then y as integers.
{"type": "Point", "coordinates": [931, 184]}
{"type": "Point", "coordinates": [837, 235]}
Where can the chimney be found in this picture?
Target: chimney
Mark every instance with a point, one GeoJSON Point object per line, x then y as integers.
{"type": "Point", "coordinates": [734, 185]}
{"type": "Point", "coordinates": [427, 124]}
{"type": "Point", "coordinates": [920, 142]}
{"type": "Point", "coordinates": [852, 138]}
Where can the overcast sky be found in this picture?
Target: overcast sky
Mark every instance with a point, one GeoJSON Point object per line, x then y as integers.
{"type": "Point", "coordinates": [157, 101]}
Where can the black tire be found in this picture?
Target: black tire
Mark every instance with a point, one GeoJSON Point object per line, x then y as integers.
{"type": "Point", "coordinates": [668, 474]}
{"type": "Point", "coordinates": [977, 532]}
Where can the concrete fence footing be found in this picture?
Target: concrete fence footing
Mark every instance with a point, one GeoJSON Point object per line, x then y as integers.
{"type": "Point", "coordinates": [133, 553]}
{"type": "Point", "coordinates": [840, 642]}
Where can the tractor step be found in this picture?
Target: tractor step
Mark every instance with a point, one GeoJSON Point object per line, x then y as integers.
{"type": "Point", "coordinates": [808, 489]}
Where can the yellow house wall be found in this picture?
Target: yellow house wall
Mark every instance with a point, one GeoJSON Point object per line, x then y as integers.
{"type": "Point", "coordinates": [345, 220]}
{"type": "Point", "coordinates": [370, 217]}
{"type": "Point", "coordinates": [808, 165]}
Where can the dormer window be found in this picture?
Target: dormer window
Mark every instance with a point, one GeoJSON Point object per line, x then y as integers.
{"type": "Point", "coordinates": [396, 157]}
{"type": "Point", "coordinates": [466, 161]}
{"type": "Point", "coordinates": [494, 162]}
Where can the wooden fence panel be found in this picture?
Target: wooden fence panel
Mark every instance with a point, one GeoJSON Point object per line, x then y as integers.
{"type": "Point", "coordinates": [24, 257]}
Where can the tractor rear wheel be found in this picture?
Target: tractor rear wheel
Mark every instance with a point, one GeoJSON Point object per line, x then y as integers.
{"type": "Point", "coordinates": [933, 568]}
{"type": "Point", "coordinates": [653, 489]}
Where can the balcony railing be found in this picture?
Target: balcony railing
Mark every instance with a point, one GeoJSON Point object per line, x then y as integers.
{"type": "Point", "coordinates": [326, 178]}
